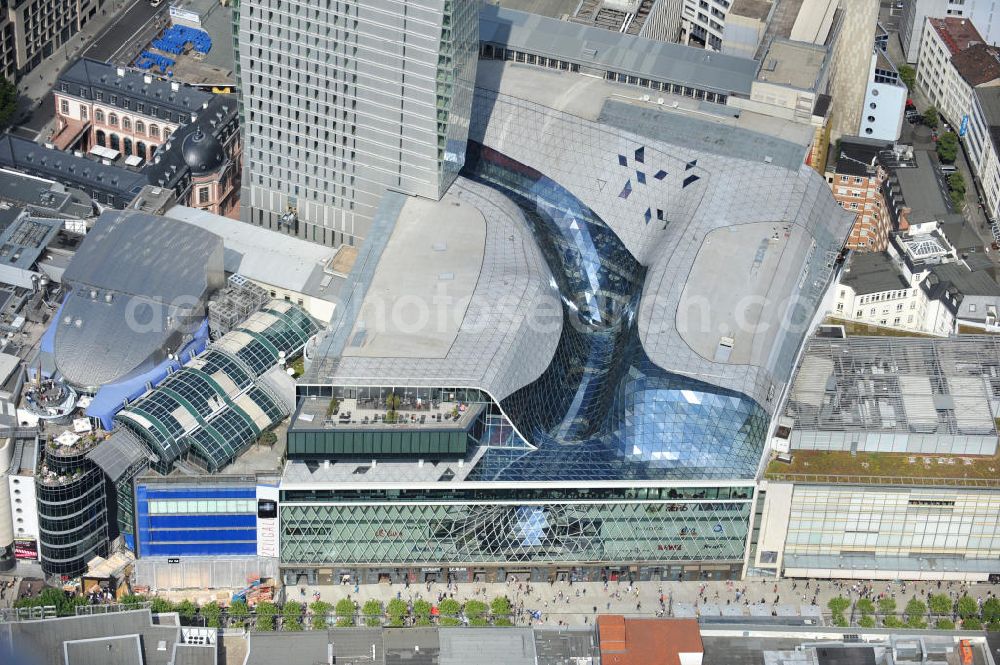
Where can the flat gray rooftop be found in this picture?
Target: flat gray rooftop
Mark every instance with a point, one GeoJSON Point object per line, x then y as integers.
{"type": "Point", "coordinates": [795, 64]}
{"type": "Point", "coordinates": [551, 8]}
{"type": "Point", "coordinates": [602, 49]}
{"type": "Point", "coordinates": [423, 284]}
{"type": "Point", "coordinates": [921, 189]}
{"type": "Point", "coordinates": [756, 9]}
{"type": "Point", "coordinates": [758, 258]}
{"type": "Point", "coordinates": [124, 650]}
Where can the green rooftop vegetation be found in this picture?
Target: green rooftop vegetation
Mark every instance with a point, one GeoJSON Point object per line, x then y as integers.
{"type": "Point", "coordinates": [868, 467]}
{"type": "Point", "coordinates": [858, 329]}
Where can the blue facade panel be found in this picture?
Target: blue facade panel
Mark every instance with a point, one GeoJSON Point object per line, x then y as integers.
{"type": "Point", "coordinates": [189, 520]}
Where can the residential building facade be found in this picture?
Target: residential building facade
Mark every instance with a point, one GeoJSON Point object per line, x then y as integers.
{"type": "Point", "coordinates": [339, 108]}
{"type": "Point", "coordinates": [981, 146]}
{"type": "Point", "coordinates": [857, 181]}
{"type": "Point", "coordinates": [954, 59]}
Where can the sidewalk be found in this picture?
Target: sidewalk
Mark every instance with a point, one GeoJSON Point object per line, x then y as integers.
{"type": "Point", "coordinates": [563, 603]}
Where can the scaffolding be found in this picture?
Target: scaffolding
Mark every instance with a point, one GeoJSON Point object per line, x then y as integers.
{"type": "Point", "coordinates": [234, 304]}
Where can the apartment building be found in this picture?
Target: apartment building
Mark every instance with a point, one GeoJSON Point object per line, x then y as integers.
{"type": "Point", "coordinates": [885, 99]}
{"type": "Point", "coordinates": [847, 88]}
{"type": "Point", "coordinates": [857, 180]}
{"type": "Point", "coordinates": [344, 101]}
{"type": "Point", "coordinates": [32, 30]}
{"type": "Point", "coordinates": [915, 14]}
{"type": "Point", "coordinates": [703, 22]}
{"type": "Point", "coordinates": [954, 59]}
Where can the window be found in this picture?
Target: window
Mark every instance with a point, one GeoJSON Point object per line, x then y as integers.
{"type": "Point", "coordinates": [99, 115]}
{"type": "Point", "coordinates": [140, 127]}
{"type": "Point", "coordinates": [126, 123]}
{"type": "Point", "coordinates": [202, 195]}
{"type": "Point", "coordinates": [972, 308]}
{"type": "Point", "coordinates": [113, 119]}
{"type": "Point", "coordinates": [154, 131]}
{"type": "Point", "coordinates": [64, 107]}
{"type": "Point", "coordinates": [84, 112]}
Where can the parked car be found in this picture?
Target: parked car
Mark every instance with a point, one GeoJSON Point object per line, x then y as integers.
{"type": "Point", "coordinates": [948, 169]}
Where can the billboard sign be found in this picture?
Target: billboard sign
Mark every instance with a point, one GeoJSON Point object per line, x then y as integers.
{"type": "Point", "coordinates": [26, 548]}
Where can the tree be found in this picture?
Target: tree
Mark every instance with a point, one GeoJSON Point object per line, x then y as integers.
{"type": "Point", "coordinates": [320, 610]}
{"type": "Point", "coordinates": [239, 612]}
{"type": "Point", "coordinates": [291, 616]}
{"type": "Point", "coordinates": [892, 621]}
{"type": "Point", "coordinates": [865, 606]}
{"type": "Point", "coordinates": [967, 607]}
{"type": "Point", "coordinates": [840, 621]}
{"type": "Point", "coordinates": [931, 117]}
{"type": "Point", "coordinates": [475, 612]}
{"type": "Point", "coordinates": [345, 612]}
{"type": "Point", "coordinates": [450, 609]}
{"type": "Point", "coordinates": [838, 605]}
{"type": "Point", "coordinates": [916, 607]}
{"type": "Point", "coordinates": [422, 613]}
{"type": "Point", "coordinates": [908, 75]}
{"type": "Point", "coordinates": [500, 609]}
{"type": "Point", "coordinates": [212, 613]}
{"type": "Point", "coordinates": [373, 612]}
{"type": "Point", "coordinates": [991, 610]}
{"type": "Point", "coordinates": [887, 605]}
{"type": "Point", "coordinates": [396, 611]}
{"type": "Point", "coordinates": [265, 611]}
{"type": "Point", "coordinates": [8, 102]}
{"type": "Point", "coordinates": [947, 147]}
{"type": "Point", "coordinates": [187, 610]}
{"type": "Point", "coordinates": [945, 624]}
{"type": "Point", "coordinates": [161, 605]}
{"type": "Point", "coordinates": [866, 621]}
{"type": "Point", "coordinates": [132, 601]}
{"type": "Point", "coordinates": [939, 603]}
{"type": "Point", "coordinates": [972, 623]}
{"type": "Point", "coordinates": [50, 597]}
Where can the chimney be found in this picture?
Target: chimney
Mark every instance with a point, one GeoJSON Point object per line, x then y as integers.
{"type": "Point", "coordinates": [121, 72]}
{"type": "Point", "coordinates": [147, 79]}
{"type": "Point", "coordinates": [175, 86]}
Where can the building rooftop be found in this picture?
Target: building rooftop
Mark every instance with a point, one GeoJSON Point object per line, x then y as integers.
{"type": "Point", "coordinates": [265, 256]}
{"type": "Point", "coordinates": [795, 64]}
{"type": "Point", "coordinates": [858, 156]}
{"type": "Point", "coordinates": [957, 34]}
{"type": "Point", "coordinates": [124, 88]}
{"type": "Point", "coordinates": [25, 155]}
{"type": "Point", "coordinates": [967, 282]}
{"type": "Point", "coordinates": [756, 9]}
{"type": "Point", "coordinates": [559, 9]}
{"type": "Point", "coordinates": [921, 190]}
{"type": "Point", "coordinates": [928, 386]}
{"type": "Point", "coordinates": [456, 260]}
{"type": "Point", "coordinates": [872, 272]}
{"type": "Point", "coordinates": [130, 268]}
{"type": "Point", "coordinates": [813, 21]}
{"type": "Point", "coordinates": [72, 640]}
{"type": "Point", "coordinates": [625, 641]}
{"type": "Point", "coordinates": [611, 51]}
{"type": "Point", "coordinates": [419, 646]}
{"type": "Point", "coordinates": [978, 64]}
{"type": "Point", "coordinates": [44, 196]}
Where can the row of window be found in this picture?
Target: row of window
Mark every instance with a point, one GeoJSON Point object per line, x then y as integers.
{"type": "Point", "coordinates": [202, 507]}
{"type": "Point", "coordinates": [112, 119]}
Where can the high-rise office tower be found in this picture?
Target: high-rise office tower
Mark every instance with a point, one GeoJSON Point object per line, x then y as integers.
{"type": "Point", "coordinates": [344, 99]}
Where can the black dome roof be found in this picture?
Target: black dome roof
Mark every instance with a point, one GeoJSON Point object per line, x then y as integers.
{"type": "Point", "coordinates": [202, 152]}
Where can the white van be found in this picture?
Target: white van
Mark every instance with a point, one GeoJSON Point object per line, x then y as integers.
{"type": "Point", "coordinates": [948, 169]}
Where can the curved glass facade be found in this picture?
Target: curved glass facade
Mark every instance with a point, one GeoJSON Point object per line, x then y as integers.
{"type": "Point", "coordinates": [603, 409]}
{"type": "Point", "coordinates": [72, 511]}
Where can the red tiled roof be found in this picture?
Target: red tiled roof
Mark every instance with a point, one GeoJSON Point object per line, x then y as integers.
{"type": "Point", "coordinates": [646, 641]}
{"type": "Point", "coordinates": [977, 64]}
{"type": "Point", "coordinates": [957, 34]}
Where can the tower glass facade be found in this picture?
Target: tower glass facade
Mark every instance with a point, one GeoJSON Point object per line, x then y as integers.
{"type": "Point", "coordinates": [344, 100]}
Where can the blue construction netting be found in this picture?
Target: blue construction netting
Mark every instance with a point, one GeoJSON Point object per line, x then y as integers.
{"type": "Point", "coordinates": [147, 60]}
{"type": "Point", "coordinates": [176, 38]}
